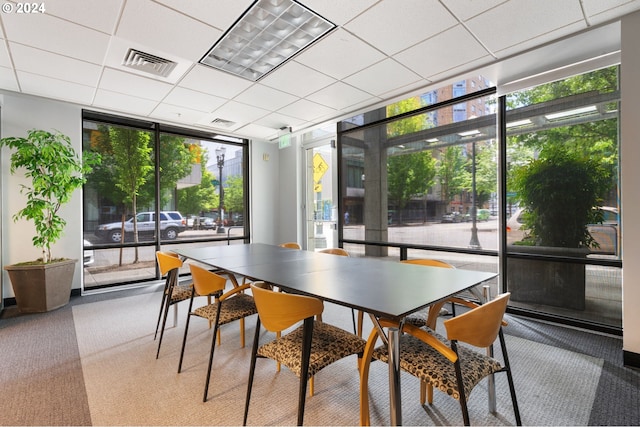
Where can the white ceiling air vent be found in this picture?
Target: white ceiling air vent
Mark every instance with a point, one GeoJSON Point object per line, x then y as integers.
{"type": "Point", "coordinates": [148, 63]}
{"type": "Point", "coordinates": [222, 123]}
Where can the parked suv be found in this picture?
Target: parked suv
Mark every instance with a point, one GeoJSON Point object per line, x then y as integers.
{"type": "Point", "coordinates": [171, 224]}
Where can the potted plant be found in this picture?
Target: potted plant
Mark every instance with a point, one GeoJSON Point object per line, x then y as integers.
{"type": "Point", "coordinates": [55, 171]}
{"type": "Point", "coordinates": [559, 193]}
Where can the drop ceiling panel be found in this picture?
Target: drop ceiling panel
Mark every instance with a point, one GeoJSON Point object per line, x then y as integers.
{"type": "Point", "coordinates": [419, 20]}
{"type": "Point", "coordinates": [339, 55]}
{"type": "Point", "coordinates": [171, 32]}
{"type": "Point", "coordinates": [5, 60]}
{"type": "Point", "coordinates": [277, 121]}
{"type": "Point", "coordinates": [101, 15]}
{"type": "Point", "coordinates": [435, 56]}
{"type": "Point", "coordinates": [194, 100]}
{"type": "Point", "coordinates": [240, 113]}
{"type": "Point", "coordinates": [127, 83]}
{"type": "Point", "coordinates": [178, 114]}
{"type": "Point", "coordinates": [339, 11]}
{"type": "Point", "coordinates": [265, 97]}
{"type": "Point", "coordinates": [8, 79]}
{"type": "Point", "coordinates": [56, 35]}
{"type": "Point", "coordinates": [206, 79]}
{"type": "Point", "coordinates": [515, 22]}
{"type": "Point", "coordinates": [57, 66]}
{"type": "Point", "coordinates": [307, 110]}
{"type": "Point", "coordinates": [385, 76]}
{"type": "Point", "coordinates": [466, 9]}
{"type": "Point", "coordinates": [121, 102]}
{"type": "Point", "coordinates": [297, 79]}
{"type": "Point", "coordinates": [56, 89]}
{"type": "Point", "coordinates": [221, 14]}
{"type": "Point", "coordinates": [59, 54]}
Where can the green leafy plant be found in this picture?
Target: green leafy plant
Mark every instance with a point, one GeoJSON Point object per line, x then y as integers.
{"type": "Point", "coordinates": [55, 171]}
{"type": "Point", "coordinates": [559, 192]}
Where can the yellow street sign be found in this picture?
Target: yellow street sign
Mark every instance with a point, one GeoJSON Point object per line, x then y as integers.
{"type": "Point", "coordinates": [317, 188]}
{"type": "Point", "coordinates": [320, 167]}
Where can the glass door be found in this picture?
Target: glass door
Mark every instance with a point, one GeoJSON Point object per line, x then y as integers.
{"type": "Point", "coordinates": [321, 196]}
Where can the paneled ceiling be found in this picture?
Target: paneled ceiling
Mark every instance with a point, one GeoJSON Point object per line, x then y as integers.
{"type": "Point", "coordinates": [381, 50]}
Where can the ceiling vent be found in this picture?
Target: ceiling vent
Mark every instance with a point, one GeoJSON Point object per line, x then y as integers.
{"type": "Point", "coordinates": [148, 63]}
{"type": "Point", "coordinates": [222, 123]}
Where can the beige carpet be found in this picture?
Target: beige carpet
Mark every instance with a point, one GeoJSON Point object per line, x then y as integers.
{"type": "Point", "coordinates": [126, 385]}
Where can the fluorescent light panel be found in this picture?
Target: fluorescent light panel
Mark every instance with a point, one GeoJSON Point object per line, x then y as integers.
{"type": "Point", "coordinates": [266, 35]}
{"type": "Point", "coordinates": [518, 123]}
{"type": "Point", "coordinates": [568, 113]}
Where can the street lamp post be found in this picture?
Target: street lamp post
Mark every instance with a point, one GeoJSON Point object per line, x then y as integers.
{"type": "Point", "coordinates": [220, 158]}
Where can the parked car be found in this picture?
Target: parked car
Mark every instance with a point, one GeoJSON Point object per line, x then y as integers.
{"type": "Point", "coordinates": [454, 217]}
{"type": "Point", "coordinates": [207, 223]}
{"type": "Point", "coordinates": [171, 224]}
{"type": "Point", "coordinates": [88, 254]}
{"type": "Point", "coordinates": [483, 215]}
{"type": "Point", "coordinates": [605, 234]}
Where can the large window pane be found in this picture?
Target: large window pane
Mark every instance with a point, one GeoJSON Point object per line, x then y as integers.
{"type": "Point", "coordinates": [193, 184]}
{"type": "Point", "coordinates": [562, 188]}
{"type": "Point", "coordinates": [428, 179]}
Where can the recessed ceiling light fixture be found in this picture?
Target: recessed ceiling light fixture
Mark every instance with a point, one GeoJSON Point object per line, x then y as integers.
{"type": "Point", "coordinates": [266, 35]}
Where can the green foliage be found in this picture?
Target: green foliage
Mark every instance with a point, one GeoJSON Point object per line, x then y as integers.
{"type": "Point", "coordinates": [559, 192]}
{"type": "Point", "coordinates": [55, 171]}
{"type": "Point", "coordinates": [409, 175]}
{"type": "Point", "coordinates": [452, 173]}
{"type": "Point", "coordinates": [234, 194]}
{"type": "Point", "coordinates": [199, 198]}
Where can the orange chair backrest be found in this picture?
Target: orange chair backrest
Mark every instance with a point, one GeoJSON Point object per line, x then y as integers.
{"type": "Point", "coordinates": [428, 262]}
{"type": "Point", "coordinates": [335, 251]}
{"type": "Point", "coordinates": [167, 261]}
{"type": "Point", "coordinates": [290, 245]}
{"type": "Point", "coordinates": [205, 281]}
{"type": "Point", "coordinates": [480, 326]}
{"type": "Point", "coordinates": [280, 310]}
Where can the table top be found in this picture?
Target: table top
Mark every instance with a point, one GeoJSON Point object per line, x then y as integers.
{"type": "Point", "coordinates": [384, 288]}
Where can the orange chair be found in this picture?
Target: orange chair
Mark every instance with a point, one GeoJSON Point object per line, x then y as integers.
{"type": "Point", "coordinates": [420, 318]}
{"type": "Point", "coordinates": [443, 363]}
{"type": "Point", "coordinates": [290, 245]}
{"type": "Point", "coordinates": [227, 307]}
{"type": "Point", "coordinates": [305, 351]}
{"type": "Point", "coordinates": [169, 265]}
{"type": "Point", "coordinates": [343, 252]}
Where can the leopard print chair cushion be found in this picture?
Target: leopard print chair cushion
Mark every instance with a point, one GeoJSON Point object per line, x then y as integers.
{"type": "Point", "coordinates": [180, 293]}
{"type": "Point", "coordinates": [422, 361]}
{"type": "Point", "coordinates": [329, 345]}
{"type": "Point", "coordinates": [233, 308]}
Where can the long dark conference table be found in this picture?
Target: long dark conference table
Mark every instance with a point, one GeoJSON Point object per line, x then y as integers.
{"type": "Point", "coordinates": [383, 289]}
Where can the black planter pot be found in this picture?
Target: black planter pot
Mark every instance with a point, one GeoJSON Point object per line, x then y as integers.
{"type": "Point", "coordinates": [553, 283]}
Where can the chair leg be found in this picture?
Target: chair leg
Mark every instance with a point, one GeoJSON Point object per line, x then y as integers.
{"type": "Point", "coordinates": [462, 396]}
{"type": "Point", "coordinates": [307, 336]}
{"type": "Point", "coordinates": [172, 278]}
{"type": "Point", "coordinates": [213, 347]}
{"type": "Point", "coordinates": [512, 388]}
{"type": "Point", "coordinates": [360, 322]}
{"type": "Point", "coordinates": [186, 331]}
{"type": "Point", "coordinates": [353, 319]}
{"type": "Point", "coordinates": [252, 369]}
{"type": "Point", "coordinates": [162, 303]}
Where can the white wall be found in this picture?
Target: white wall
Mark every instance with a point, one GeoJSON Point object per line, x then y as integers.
{"type": "Point", "coordinates": [264, 199]}
{"type": "Point", "coordinates": [290, 202]}
{"type": "Point", "coordinates": [20, 114]}
{"type": "Point", "coordinates": [630, 159]}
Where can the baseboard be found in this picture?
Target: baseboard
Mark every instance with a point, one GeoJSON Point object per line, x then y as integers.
{"type": "Point", "coordinates": [631, 360]}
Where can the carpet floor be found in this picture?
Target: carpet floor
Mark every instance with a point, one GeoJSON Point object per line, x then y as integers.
{"type": "Point", "coordinates": [93, 363]}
